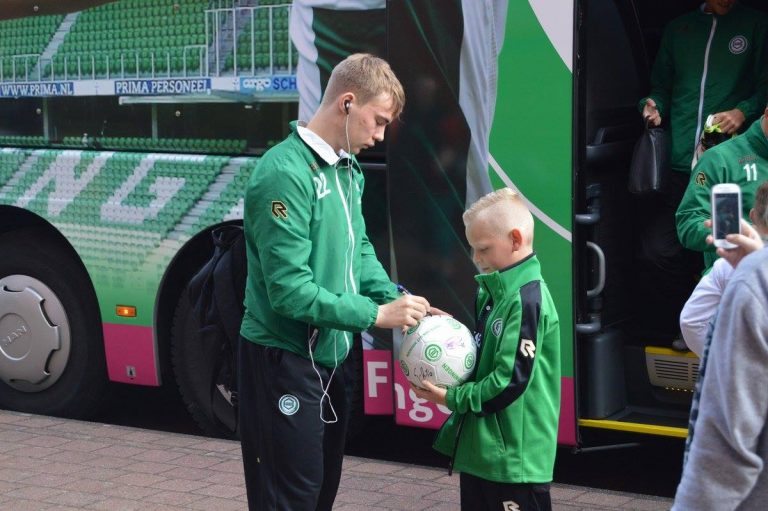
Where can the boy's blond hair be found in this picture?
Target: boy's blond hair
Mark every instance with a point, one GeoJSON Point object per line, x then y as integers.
{"type": "Point", "coordinates": [505, 210]}
{"type": "Point", "coordinates": [367, 76]}
{"type": "Point", "coordinates": [761, 206]}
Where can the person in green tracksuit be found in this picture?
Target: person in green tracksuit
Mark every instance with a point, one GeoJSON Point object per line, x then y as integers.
{"type": "Point", "coordinates": [502, 434]}
{"type": "Point", "coordinates": [743, 161]}
{"type": "Point", "coordinates": [711, 61]}
{"type": "Point", "coordinates": [313, 279]}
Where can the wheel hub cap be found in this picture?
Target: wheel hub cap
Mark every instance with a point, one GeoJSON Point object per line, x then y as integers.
{"type": "Point", "coordinates": [34, 334]}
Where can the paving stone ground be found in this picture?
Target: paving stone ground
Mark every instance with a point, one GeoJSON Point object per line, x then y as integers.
{"type": "Point", "coordinates": [51, 464]}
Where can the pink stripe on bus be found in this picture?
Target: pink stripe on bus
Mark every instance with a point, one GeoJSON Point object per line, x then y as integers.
{"type": "Point", "coordinates": [383, 382]}
{"type": "Point", "coordinates": [566, 434]}
{"type": "Point", "coordinates": [130, 352]}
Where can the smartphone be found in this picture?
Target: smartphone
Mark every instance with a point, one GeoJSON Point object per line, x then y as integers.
{"type": "Point", "coordinates": [726, 213]}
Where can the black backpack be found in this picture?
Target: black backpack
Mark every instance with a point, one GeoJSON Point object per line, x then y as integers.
{"type": "Point", "coordinates": [216, 293]}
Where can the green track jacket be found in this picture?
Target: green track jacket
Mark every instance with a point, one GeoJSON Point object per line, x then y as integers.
{"type": "Point", "coordinates": [742, 160]}
{"type": "Point", "coordinates": [504, 422]}
{"type": "Point", "coordinates": [707, 64]}
{"type": "Point", "coordinates": [310, 264]}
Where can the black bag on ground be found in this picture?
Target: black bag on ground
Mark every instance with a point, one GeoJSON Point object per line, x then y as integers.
{"type": "Point", "coordinates": [216, 293]}
{"type": "Point", "coordinates": [649, 169]}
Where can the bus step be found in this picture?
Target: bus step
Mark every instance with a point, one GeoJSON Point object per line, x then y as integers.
{"type": "Point", "coordinates": [670, 369]}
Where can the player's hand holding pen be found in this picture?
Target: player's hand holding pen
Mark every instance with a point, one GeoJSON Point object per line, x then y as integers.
{"type": "Point", "coordinates": [431, 311]}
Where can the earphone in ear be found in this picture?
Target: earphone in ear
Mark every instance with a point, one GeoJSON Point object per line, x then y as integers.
{"type": "Point", "coordinates": [346, 106]}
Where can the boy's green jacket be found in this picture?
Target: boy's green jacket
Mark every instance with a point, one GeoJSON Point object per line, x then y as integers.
{"type": "Point", "coordinates": [310, 264]}
{"type": "Point", "coordinates": [504, 422]}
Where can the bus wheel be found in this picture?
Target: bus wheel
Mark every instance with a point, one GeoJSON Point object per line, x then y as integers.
{"type": "Point", "coordinates": [201, 366]}
{"type": "Point", "coordinates": [51, 346]}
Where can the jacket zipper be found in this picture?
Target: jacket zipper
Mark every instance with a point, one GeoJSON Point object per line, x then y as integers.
{"type": "Point", "coordinates": [480, 332]}
{"type": "Point", "coordinates": [455, 444]}
{"type": "Point", "coordinates": [704, 81]}
{"type": "Point", "coordinates": [349, 254]}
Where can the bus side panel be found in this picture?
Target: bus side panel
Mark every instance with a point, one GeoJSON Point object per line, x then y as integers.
{"type": "Point", "coordinates": [531, 150]}
{"type": "Point", "coordinates": [127, 214]}
{"type": "Point", "coordinates": [427, 170]}
{"type": "Point", "coordinates": [490, 86]}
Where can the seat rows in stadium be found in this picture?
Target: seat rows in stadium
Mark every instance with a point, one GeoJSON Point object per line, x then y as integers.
{"type": "Point", "coordinates": [145, 38]}
{"type": "Point", "coordinates": [22, 140]}
{"type": "Point", "coordinates": [22, 37]}
{"type": "Point", "coordinates": [265, 34]}
{"type": "Point", "coordinates": [175, 145]}
{"type": "Point", "coordinates": [120, 37]}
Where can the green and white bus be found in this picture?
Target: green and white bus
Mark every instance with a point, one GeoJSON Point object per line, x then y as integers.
{"type": "Point", "coordinates": [129, 128]}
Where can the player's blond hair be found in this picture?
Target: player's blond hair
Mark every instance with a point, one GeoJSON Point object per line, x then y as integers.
{"type": "Point", "coordinates": [505, 210]}
{"type": "Point", "coordinates": [367, 76]}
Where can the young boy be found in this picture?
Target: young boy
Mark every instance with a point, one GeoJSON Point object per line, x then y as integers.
{"type": "Point", "coordinates": [503, 432]}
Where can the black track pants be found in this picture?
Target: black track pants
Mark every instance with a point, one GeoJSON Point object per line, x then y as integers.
{"type": "Point", "coordinates": [482, 495]}
{"type": "Point", "coordinates": [292, 459]}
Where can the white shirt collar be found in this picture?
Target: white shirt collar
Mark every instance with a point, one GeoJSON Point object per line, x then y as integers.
{"type": "Point", "coordinates": [320, 146]}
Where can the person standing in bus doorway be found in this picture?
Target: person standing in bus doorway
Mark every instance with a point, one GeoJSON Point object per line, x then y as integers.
{"type": "Point", "coordinates": [702, 304]}
{"type": "Point", "coordinates": [502, 434]}
{"type": "Point", "coordinates": [711, 61]}
{"type": "Point", "coordinates": [726, 453]}
{"type": "Point", "coordinates": [743, 161]}
{"type": "Point", "coordinates": [313, 280]}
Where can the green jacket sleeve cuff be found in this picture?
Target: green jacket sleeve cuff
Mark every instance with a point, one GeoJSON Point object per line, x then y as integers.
{"type": "Point", "coordinates": [750, 111]}
{"type": "Point", "coordinates": [373, 309]}
{"type": "Point", "coordinates": [450, 399]}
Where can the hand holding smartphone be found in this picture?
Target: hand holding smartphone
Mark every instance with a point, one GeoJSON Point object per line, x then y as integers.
{"type": "Point", "coordinates": [726, 213]}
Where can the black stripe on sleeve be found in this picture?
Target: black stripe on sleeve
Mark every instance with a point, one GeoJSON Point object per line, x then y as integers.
{"type": "Point", "coordinates": [530, 301]}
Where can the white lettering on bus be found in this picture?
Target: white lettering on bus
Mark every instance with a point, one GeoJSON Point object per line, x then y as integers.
{"type": "Point", "coordinates": [376, 377]}
{"type": "Point", "coordinates": [66, 185]}
{"type": "Point", "coordinates": [418, 412]}
{"type": "Point", "coordinates": [164, 189]}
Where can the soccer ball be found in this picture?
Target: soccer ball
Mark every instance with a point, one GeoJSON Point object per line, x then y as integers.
{"type": "Point", "coordinates": [438, 349]}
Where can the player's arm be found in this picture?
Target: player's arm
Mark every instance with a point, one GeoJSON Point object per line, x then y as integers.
{"type": "Point", "coordinates": [661, 78]}
{"type": "Point", "coordinates": [374, 281]}
{"type": "Point", "coordinates": [700, 308]}
{"type": "Point", "coordinates": [696, 206]}
{"type": "Point", "coordinates": [514, 360]}
{"type": "Point", "coordinates": [754, 105]}
{"type": "Point", "coordinates": [279, 209]}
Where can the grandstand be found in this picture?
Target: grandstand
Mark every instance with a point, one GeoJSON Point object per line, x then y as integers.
{"type": "Point", "coordinates": [263, 42]}
{"type": "Point", "coordinates": [125, 47]}
{"type": "Point", "coordinates": [150, 39]}
{"type": "Point", "coordinates": [176, 145]}
{"type": "Point", "coordinates": [22, 41]}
